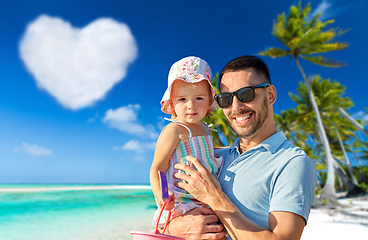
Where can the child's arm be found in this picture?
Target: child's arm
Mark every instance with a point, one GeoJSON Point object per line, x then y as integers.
{"type": "Point", "coordinates": [165, 146]}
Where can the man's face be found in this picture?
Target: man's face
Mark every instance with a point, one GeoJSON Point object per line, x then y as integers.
{"type": "Point", "coordinates": [246, 119]}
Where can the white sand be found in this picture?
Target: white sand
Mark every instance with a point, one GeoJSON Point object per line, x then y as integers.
{"type": "Point", "coordinates": [349, 222]}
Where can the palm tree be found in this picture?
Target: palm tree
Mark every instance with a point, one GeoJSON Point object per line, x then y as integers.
{"type": "Point", "coordinates": [303, 39]}
{"type": "Point", "coordinates": [345, 156]}
{"type": "Point", "coordinates": [288, 123]}
{"type": "Point", "coordinates": [219, 121]}
{"type": "Point", "coordinates": [347, 116]}
{"type": "Point", "coordinates": [285, 122]}
{"type": "Point", "coordinates": [328, 96]}
{"type": "Point", "coordinates": [361, 153]}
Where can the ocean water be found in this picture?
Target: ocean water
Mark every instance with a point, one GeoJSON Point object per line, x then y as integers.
{"type": "Point", "coordinates": [108, 214]}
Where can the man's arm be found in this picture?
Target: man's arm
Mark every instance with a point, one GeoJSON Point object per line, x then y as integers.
{"type": "Point", "coordinates": [205, 188]}
{"type": "Point", "coordinates": [198, 223]}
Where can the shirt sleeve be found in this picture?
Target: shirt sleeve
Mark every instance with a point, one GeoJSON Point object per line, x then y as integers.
{"type": "Point", "coordinates": [293, 187]}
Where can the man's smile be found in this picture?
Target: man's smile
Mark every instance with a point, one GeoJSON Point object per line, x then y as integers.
{"type": "Point", "coordinates": [243, 118]}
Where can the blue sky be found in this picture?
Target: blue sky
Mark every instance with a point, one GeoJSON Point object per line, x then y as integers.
{"type": "Point", "coordinates": [81, 81]}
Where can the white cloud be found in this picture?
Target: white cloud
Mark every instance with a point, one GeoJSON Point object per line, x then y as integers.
{"type": "Point", "coordinates": [125, 119]}
{"type": "Point", "coordinates": [93, 119]}
{"type": "Point", "coordinates": [34, 150]}
{"type": "Point", "coordinates": [161, 123]}
{"type": "Point", "coordinates": [139, 147]}
{"type": "Point", "coordinates": [329, 10]}
{"type": "Point", "coordinates": [360, 115]}
{"type": "Point", "coordinates": [324, 8]}
{"type": "Point", "coordinates": [77, 66]}
{"type": "Point", "coordinates": [138, 158]}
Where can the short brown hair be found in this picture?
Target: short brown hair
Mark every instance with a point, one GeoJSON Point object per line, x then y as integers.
{"type": "Point", "coordinates": [247, 61]}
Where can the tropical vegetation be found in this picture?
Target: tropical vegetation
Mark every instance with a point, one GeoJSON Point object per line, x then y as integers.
{"type": "Point", "coordinates": [309, 40]}
{"type": "Point", "coordinates": [300, 126]}
{"type": "Point", "coordinates": [319, 124]}
{"type": "Point", "coordinates": [221, 126]}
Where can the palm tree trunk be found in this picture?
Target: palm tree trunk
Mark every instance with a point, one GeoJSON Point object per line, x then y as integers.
{"type": "Point", "coordinates": [352, 188]}
{"type": "Point", "coordinates": [355, 123]}
{"type": "Point", "coordinates": [362, 175]}
{"type": "Point", "coordinates": [347, 161]}
{"type": "Point", "coordinates": [328, 191]}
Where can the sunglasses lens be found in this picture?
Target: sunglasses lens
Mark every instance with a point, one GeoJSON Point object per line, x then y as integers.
{"type": "Point", "coordinates": [224, 100]}
{"type": "Point", "coordinates": [245, 95]}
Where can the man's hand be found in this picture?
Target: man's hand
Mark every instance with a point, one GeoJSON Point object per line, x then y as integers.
{"type": "Point", "coordinates": [200, 183]}
{"type": "Point", "coordinates": [198, 223]}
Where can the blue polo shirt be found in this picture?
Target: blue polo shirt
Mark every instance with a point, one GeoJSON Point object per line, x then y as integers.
{"type": "Point", "coordinates": [273, 176]}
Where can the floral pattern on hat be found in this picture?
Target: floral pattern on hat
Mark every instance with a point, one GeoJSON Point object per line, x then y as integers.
{"type": "Point", "coordinates": [190, 70]}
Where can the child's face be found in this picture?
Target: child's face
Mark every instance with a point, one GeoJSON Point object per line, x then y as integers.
{"type": "Point", "coordinates": [190, 101]}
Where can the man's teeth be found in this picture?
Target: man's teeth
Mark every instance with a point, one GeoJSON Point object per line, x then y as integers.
{"type": "Point", "coordinates": [243, 118]}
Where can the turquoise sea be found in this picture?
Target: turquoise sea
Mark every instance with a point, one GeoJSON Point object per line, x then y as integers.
{"type": "Point", "coordinates": [46, 212]}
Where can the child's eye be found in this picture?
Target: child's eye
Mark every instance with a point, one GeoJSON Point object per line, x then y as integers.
{"type": "Point", "coordinates": [199, 98]}
{"type": "Point", "coordinates": [181, 99]}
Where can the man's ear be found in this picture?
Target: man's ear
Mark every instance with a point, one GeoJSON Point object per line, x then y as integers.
{"type": "Point", "coordinates": [272, 94]}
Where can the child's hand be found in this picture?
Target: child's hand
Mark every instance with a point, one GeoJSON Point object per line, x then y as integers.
{"type": "Point", "coordinates": [171, 204]}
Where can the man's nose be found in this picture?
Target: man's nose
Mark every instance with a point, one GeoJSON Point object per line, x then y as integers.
{"type": "Point", "coordinates": [236, 104]}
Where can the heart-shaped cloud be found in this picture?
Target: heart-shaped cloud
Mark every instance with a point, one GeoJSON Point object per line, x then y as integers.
{"type": "Point", "coordinates": [77, 66]}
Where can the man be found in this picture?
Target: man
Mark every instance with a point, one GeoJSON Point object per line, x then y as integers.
{"type": "Point", "coordinates": [267, 183]}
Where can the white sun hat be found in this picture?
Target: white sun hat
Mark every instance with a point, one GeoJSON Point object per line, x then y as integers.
{"type": "Point", "coordinates": [190, 70]}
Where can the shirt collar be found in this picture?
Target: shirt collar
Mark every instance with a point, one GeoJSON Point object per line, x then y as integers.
{"type": "Point", "coordinates": [271, 144]}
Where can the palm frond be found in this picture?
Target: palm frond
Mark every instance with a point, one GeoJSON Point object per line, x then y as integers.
{"type": "Point", "coordinates": [275, 52]}
{"type": "Point", "coordinates": [304, 13]}
{"type": "Point", "coordinates": [320, 60]}
{"type": "Point", "coordinates": [305, 38]}
{"type": "Point", "coordinates": [327, 47]}
{"type": "Point", "coordinates": [313, 22]}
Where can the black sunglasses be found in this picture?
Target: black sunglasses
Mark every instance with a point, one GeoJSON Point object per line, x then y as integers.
{"type": "Point", "coordinates": [245, 94]}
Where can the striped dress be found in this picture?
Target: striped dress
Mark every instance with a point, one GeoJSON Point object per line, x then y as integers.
{"type": "Point", "coordinates": [200, 147]}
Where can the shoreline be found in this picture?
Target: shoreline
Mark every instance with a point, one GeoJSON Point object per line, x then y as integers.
{"type": "Point", "coordinates": [76, 188]}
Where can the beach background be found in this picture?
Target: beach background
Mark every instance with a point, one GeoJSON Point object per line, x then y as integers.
{"type": "Point", "coordinates": [71, 212]}
{"type": "Point", "coordinates": [80, 89]}
{"type": "Point", "coordinates": [110, 212]}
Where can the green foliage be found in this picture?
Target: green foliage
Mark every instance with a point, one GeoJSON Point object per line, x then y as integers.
{"type": "Point", "coordinates": [300, 124]}
{"type": "Point", "coordinates": [361, 148]}
{"type": "Point", "coordinates": [303, 38]}
{"type": "Point", "coordinates": [364, 186]}
{"type": "Point", "coordinates": [309, 40]}
{"type": "Point", "coordinates": [317, 191]}
{"type": "Point", "coordinates": [362, 175]}
{"type": "Point", "coordinates": [324, 201]}
{"type": "Point", "coordinates": [220, 122]}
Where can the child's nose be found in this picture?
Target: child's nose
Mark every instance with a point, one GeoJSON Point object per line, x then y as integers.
{"type": "Point", "coordinates": [191, 104]}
